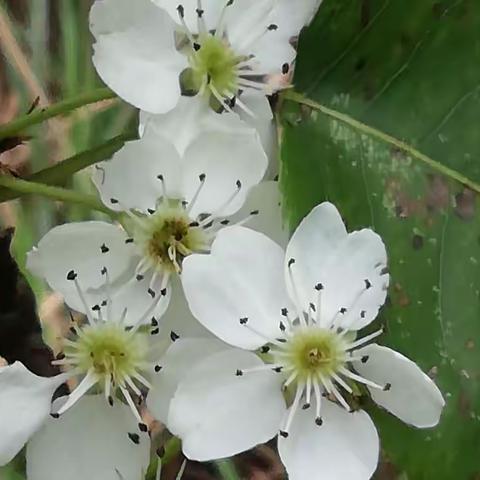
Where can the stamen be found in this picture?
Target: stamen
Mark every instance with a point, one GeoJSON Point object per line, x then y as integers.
{"type": "Point", "coordinates": [181, 15]}
{"type": "Point", "coordinates": [217, 213]}
{"type": "Point", "coordinates": [201, 25]}
{"type": "Point", "coordinates": [245, 322]}
{"type": "Point", "coordinates": [220, 98]}
{"type": "Point", "coordinates": [83, 387]}
{"type": "Point", "coordinates": [364, 340]}
{"type": "Point", "coordinates": [293, 408]}
{"type": "Point", "coordinates": [131, 403]}
{"type": "Point", "coordinates": [181, 471]}
{"type": "Point", "coordinates": [318, 398]}
{"type": "Point", "coordinates": [202, 178]}
{"type": "Point", "coordinates": [72, 276]}
{"type": "Point", "coordinates": [261, 368]}
{"type": "Point", "coordinates": [296, 297]}
{"type": "Point", "coordinates": [221, 21]}
{"type": "Point", "coordinates": [132, 385]}
{"type": "Point", "coordinates": [164, 188]}
{"type": "Point", "coordinates": [108, 292]}
{"type": "Point", "coordinates": [358, 378]}
{"type": "Point", "coordinates": [333, 390]}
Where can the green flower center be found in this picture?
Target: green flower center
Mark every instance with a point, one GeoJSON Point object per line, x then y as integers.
{"type": "Point", "coordinates": [315, 353]}
{"type": "Point", "coordinates": [168, 236]}
{"type": "Point", "coordinates": [109, 350]}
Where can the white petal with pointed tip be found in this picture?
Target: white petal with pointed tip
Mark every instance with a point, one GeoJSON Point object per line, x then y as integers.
{"type": "Point", "coordinates": [413, 396]}
{"type": "Point", "coordinates": [241, 278]}
{"type": "Point", "coordinates": [218, 414]}
{"type": "Point", "coordinates": [225, 159]}
{"type": "Point", "coordinates": [78, 247]}
{"type": "Point", "coordinates": [89, 441]}
{"type": "Point", "coordinates": [344, 447]}
{"type": "Point", "coordinates": [131, 176]}
{"type": "Point", "coordinates": [178, 361]}
{"type": "Point", "coordinates": [25, 401]}
{"type": "Point", "coordinates": [135, 53]}
{"type": "Point", "coordinates": [343, 263]}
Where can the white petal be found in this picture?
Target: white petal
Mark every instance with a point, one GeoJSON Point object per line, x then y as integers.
{"type": "Point", "coordinates": [294, 15]}
{"type": "Point", "coordinates": [89, 441]}
{"type": "Point", "coordinates": [78, 247]}
{"type": "Point", "coordinates": [131, 176]}
{"type": "Point", "coordinates": [263, 123]}
{"type": "Point", "coordinates": [25, 401]}
{"type": "Point", "coordinates": [135, 53]}
{"type": "Point", "coordinates": [264, 198]}
{"type": "Point", "coordinates": [343, 263]}
{"type": "Point", "coordinates": [413, 396]}
{"type": "Point", "coordinates": [179, 360]}
{"type": "Point", "coordinates": [344, 447]}
{"type": "Point", "coordinates": [190, 119]}
{"type": "Point", "coordinates": [134, 296]}
{"type": "Point", "coordinates": [225, 159]}
{"type": "Point", "coordinates": [241, 278]}
{"type": "Point", "coordinates": [212, 9]}
{"type": "Point", "coordinates": [218, 414]}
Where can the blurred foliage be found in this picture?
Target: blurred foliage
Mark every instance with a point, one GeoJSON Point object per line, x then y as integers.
{"type": "Point", "coordinates": [411, 69]}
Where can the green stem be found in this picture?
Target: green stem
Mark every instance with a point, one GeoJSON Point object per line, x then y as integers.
{"type": "Point", "coordinates": [62, 171]}
{"type": "Point", "coordinates": [227, 470]}
{"type": "Point", "coordinates": [383, 137]}
{"type": "Point", "coordinates": [37, 116]}
{"type": "Point", "coordinates": [54, 193]}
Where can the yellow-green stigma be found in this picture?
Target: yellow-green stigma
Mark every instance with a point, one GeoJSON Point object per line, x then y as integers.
{"type": "Point", "coordinates": [316, 353]}
{"type": "Point", "coordinates": [109, 351]}
{"type": "Point", "coordinates": [168, 236]}
{"type": "Point", "coordinates": [214, 64]}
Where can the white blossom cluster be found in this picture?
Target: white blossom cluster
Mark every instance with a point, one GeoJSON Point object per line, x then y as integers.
{"type": "Point", "coordinates": [197, 305]}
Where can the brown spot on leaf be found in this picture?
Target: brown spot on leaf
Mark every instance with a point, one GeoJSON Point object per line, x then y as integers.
{"type": "Point", "coordinates": [401, 297]}
{"type": "Point", "coordinates": [465, 204]}
{"type": "Point", "coordinates": [417, 242]}
{"type": "Point", "coordinates": [470, 344]}
{"type": "Point", "coordinates": [437, 197]}
{"type": "Point", "coordinates": [464, 404]}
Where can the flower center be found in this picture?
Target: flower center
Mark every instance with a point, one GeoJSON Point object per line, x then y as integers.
{"type": "Point", "coordinates": [168, 236]}
{"type": "Point", "coordinates": [109, 351]}
{"type": "Point", "coordinates": [214, 63]}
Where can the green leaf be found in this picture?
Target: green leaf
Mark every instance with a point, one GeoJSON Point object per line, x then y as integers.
{"type": "Point", "coordinates": [408, 68]}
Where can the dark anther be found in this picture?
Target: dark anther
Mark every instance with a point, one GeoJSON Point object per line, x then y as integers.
{"type": "Point", "coordinates": [318, 287]}
{"type": "Point", "coordinates": [160, 452]}
{"type": "Point", "coordinates": [110, 400]}
{"type": "Point", "coordinates": [193, 224]}
{"type": "Point", "coordinates": [283, 434]}
{"type": "Point", "coordinates": [104, 248]}
{"type": "Point", "coordinates": [224, 222]}
{"type": "Point", "coordinates": [60, 356]}
{"type": "Point", "coordinates": [291, 262]}
{"type": "Point", "coordinates": [135, 438]}
{"type": "Point", "coordinates": [285, 68]}
{"type": "Point", "coordinates": [129, 240]}
{"type": "Point", "coordinates": [174, 337]}
{"type": "Point", "coordinates": [208, 225]}
{"type": "Point", "coordinates": [103, 271]}
{"type": "Point", "coordinates": [312, 306]}
{"type": "Point", "coordinates": [364, 359]}
{"type": "Point", "coordinates": [306, 406]}
{"type": "Point", "coordinates": [151, 292]}
{"type": "Point", "coordinates": [71, 275]}
{"type": "Point", "coordinates": [284, 311]}
{"type": "Point", "coordinates": [143, 427]}
{"type": "Point", "coordinates": [55, 415]}
{"type": "Point", "coordinates": [155, 331]}
{"type": "Point", "coordinates": [238, 183]}
{"type": "Point", "coordinates": [238, 373]}
{"type": "Point", "coordinates": [202, 177]}
{"type": "Point", "coordinates": [104, 303]}
{"type": "Point", "coordinates": [278, 369]}
{"type": "Point", "coordinates": [158, 368]}
{"type": "Point", "coordinates": [200, 12]}
{"type": "Point", "coordinates": [154, 322]}
{"type": "Point", "coordinates": [113, 201]}
{"type": "Point", "coordinates": [73, 331]}
{"type": "Point", "coordinates": [343, 310]}
{"type": "Point", "coordinates": [151, 211]}
{"type": "Point", "coordinates": [181, 11]}
{"type": "Point", "coordinates": [363, 313]}
{"type": "Point", "coordinates": [387, 387]}
{"type": "Point", "coordinates": [139, 278]}
{"type": "Point", "coordinates": [243, 321]}
{"type": "Point", "coordinates": [163, 292]}
{"type": "Point", "coordinates": [196, 46]}
{"type": "Point", "coordinates": [272, 26]}
{"type": "Point", "coordinates": [368, 284]}
{"type": "Point", "coordinates": [254, 212]}
{"type": "Point", "coordinates": [319, 421]}
{"type": "Point", "coordinates": [282, 326]}
{"type": "Point", "coordinates": [282, 340]}
{"type": "Point", "coordinates": [96, 308]}
{"type": "Point", "coordinates": [265, 349]}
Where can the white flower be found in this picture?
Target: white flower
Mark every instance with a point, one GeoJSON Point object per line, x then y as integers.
{"type": "Point", "coordinates": [190, 170]}
{"type": "Point", "coordinates": [149, 53]}
{"type": "Point", "coordinates": [305, 329]}
{"type": "Point", "coordinates": [97, 436]}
